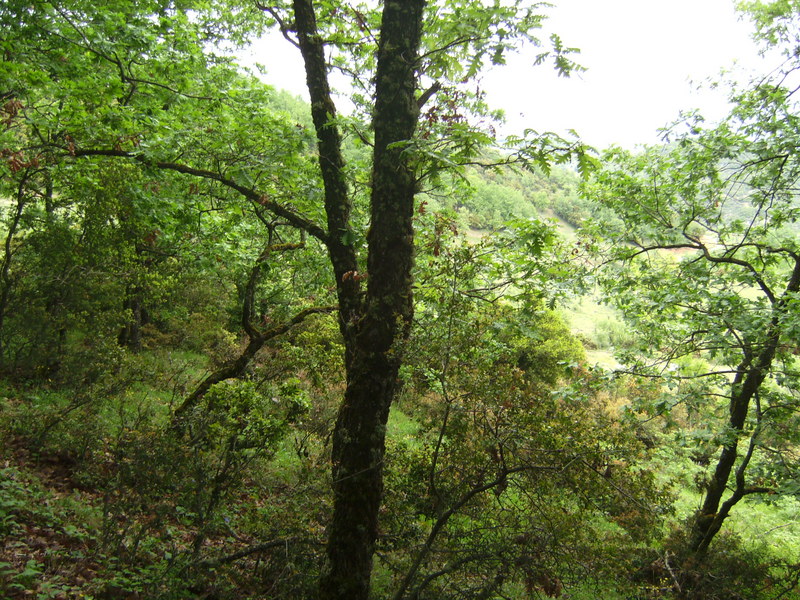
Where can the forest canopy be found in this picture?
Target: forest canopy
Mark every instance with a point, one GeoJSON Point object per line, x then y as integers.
{"type": "Point", "coordinates": [257, 347]}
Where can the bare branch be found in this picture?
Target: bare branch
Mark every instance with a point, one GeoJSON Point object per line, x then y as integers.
{"type": "Point", "coordinates": [441, 522]}
{"type": "Point", "coordinates": [285, 28]}
{"type": "Point", "coordinates": [426, 95]}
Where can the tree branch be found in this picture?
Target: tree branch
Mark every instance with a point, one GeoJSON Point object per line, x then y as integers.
{"type": "Point", "coordinates": [224, 560]}
{"type": "Point", "coordinates": [294, 219]}
{"type": "Point", "coordinates": [338, 204]}
{"type": "Point", "coordinates": [285, 28]}
{"type": "Point", "coordinates": [236, 367]}
{"type": "Point", "coordinates": [426, 95]}
{"type": "Point", "coordinates": [445, 517]}
{"type": "Point", "coordinates": [125, 75]}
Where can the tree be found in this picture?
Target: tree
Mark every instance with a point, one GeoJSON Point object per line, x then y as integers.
{"type": "Point", "coordinates": [515, 458]}
{"type": "Point", "coordinates": [415, 40]}
{"type": "Point", "coordinates": [708, 266]}
{"type": "Point", "coordinates": [133, 83]}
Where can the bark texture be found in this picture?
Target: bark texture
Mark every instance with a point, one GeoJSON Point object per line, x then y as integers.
{"type": "Point", "coordinates": [375, 324]}
{"type": "Point", "coordinates": [338, 205]}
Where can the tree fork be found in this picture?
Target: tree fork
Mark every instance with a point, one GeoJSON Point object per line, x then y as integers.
{"type": "Point", "coordinates": [375, 351]}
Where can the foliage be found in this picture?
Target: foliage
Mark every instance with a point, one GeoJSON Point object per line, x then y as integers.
{"type": "Point", "coordinates": [238, 415]}
{"type": "Point", "coordinates": [151, 501]}
{"type": "Point", "coordinates": [478, 494]}
{"type": "Point", "coordinates": [707, 269]}
{"type": "Point", "coordinates": [150, 193]}
{"type": "Point", "coordinates": [731, 570]}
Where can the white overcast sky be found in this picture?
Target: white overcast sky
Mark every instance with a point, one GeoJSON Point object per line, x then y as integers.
{"type": "Point", "coordinates": [644, 59]}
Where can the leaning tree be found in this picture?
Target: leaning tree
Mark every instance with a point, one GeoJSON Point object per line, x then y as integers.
{"type": "Point", "coordinates": [707, 265]}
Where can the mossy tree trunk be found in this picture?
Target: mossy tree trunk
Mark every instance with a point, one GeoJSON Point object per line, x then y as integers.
{"type": "Point", "coordinates": [376, 322]}
{"type": "Point", "coordinates": [376, 348]}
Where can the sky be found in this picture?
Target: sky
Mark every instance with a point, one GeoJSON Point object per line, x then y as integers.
{"type": "Point", "coordinates": [644, 58]}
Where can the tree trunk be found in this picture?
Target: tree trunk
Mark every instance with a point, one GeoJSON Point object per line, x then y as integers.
{"type": "Point", "coordinates": [373, 325]}
{"type": "Point", "coordinates": [708, 520]}
{"type": "Point", "coordinates": [331, 162]}
{"type": "Point", "coordinates": [130, 336]}
{"type": "Point", "coordinates": [374, 342]}
{"type": "Point", "coordinates": [751, 374]}
{"type": "Point", "coordinates": [6, 283]}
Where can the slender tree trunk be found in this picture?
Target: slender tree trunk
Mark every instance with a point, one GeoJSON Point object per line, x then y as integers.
{"type": "Point", "coordinates": [6, 283]}
{"type": "Point", "coordinates": [751, 374]}
{"type": "Point", "coordinates": [338, 205]}
{"type": "Point", "coordinates": [708, 520]}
